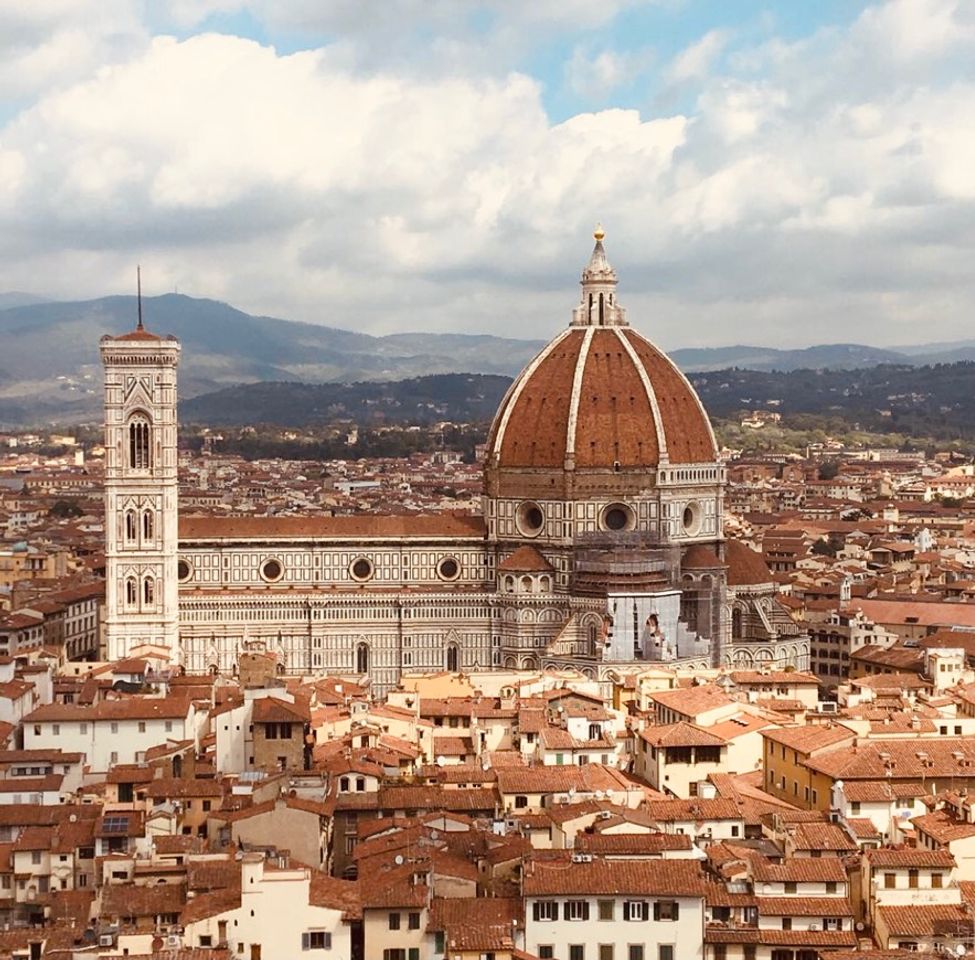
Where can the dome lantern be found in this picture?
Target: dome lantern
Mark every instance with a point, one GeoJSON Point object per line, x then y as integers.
{"type": "Point", "coordinates": [598, 306]}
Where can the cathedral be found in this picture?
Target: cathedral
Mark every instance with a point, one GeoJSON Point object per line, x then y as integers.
{"type": "Point", "coordinates": [599, 546]}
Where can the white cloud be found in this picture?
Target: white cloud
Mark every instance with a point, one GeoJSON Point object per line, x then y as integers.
{"type": "Point", "coordinates": [695, 61]}
{"type": "Point", "coordinates": [45, 43]}
{"type": "Point", "coordinates": [807, 190]}
{"type": "Point", "coordinates": [595, 75]}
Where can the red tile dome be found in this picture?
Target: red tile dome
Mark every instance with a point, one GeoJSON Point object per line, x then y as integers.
{"type": "Point", "coordinates": [601, 398]}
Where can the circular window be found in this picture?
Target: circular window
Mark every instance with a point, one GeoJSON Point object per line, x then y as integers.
{"type": "Point", "coordinates": [617, 516]}
{"type": "Point", "coordinates": [448, 569]}
{"type": "Point", "coordinates": [692, 519]}
{"type": "Point", "coordinates": [271, 570]}
{"type": "Point", "coordinates": [361, 569]}
{"type": "Point", "coordinates": [183, 571]}
{"type": "Point", "coordinates": [530, 519]}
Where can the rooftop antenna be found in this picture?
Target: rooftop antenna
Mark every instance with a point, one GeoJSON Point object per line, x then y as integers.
{"type": "Point", "coordinates": [138, 283]}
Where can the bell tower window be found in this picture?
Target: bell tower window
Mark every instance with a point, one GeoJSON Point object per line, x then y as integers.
{"type": "Point", "coordinates": [452, 657]}
{"type": "Point", "coordinates": [140, 457]}
{"type": "Point", "coordinates": [131, 592]}
{"type": "Point", "coordinates": [148, 591]}
{"type": "Point", "coordinates": [147, 525]}
{"type": "Point", "coordinates": [131, 531]}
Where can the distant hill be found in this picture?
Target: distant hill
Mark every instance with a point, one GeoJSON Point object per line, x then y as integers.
{"type": "Point", "coordinates": [461, 397]}
{"type": "Point", "coordinates": [924, 401]}
{"type": "Point", "coordinates": [833, 356]}
{"type": "Point", "coordinates": [49, 367]}
{"type": "Point", "coordinates": [936, 401]}
{"type": "Point", "coordinates": [14, 298]}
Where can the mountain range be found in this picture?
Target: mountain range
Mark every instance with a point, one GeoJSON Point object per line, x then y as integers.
{"type": "Point", "coordinates": [49, 367]}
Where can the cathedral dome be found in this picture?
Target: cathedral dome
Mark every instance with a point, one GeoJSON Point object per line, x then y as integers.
{"type": "Point", "coordinates": [600, 397]}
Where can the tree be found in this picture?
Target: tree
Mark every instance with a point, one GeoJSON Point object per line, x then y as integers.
{"type": "Point", "coordinates": [824, 548]}
{"type": "Point", "coordinates": [64, 509]}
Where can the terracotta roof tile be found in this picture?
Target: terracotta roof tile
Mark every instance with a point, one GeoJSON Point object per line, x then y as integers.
{"type": "Point", "coordinates": [359, 526]}
{"type": "Point", "coordinates": [559, 876]}
{"type": "Point", "coordinates": [894, 857]}
{"type": "Point", "coordinates": [746, 567]}
{"type": "Point", "coordinates": [526, 559]}
{"type": "Point", "coordinates": [800, 870]}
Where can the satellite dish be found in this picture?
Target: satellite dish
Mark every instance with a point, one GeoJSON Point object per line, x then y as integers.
{"type": "Point", "coordinates": [600, 794]}
{"type": "Point", "coordinates": [960, 950]}
{"type": "Point", "coordinates": [398, 860]}
{"type": "Point", "coordinates": [441, 761]}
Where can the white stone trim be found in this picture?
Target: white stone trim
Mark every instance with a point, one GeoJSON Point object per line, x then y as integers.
{"type": "Point", "coordinates": [570, 435]}
{"type": "Point", "coordinates": [651, 395]}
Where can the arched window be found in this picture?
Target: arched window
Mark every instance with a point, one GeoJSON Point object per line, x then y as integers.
{"type": "Point", "coordinates": [147, 525]}
{"type": "Point", "coordinates": [131, 592]}
{"type": "Point", "coordinates": [593, 637]}
{"type": "Point", "coordinates": [140, 453]}
{"type": "Point", "coordinates": [736, 623]}
{"type": "Point", "coordinates": [362, 658]}
{"type": "Point", "coordinates": [131, 532]}
{"type": "Point", "coordinates": [148, 586]}
{"type": "Point", "coordinates": [452, 657]}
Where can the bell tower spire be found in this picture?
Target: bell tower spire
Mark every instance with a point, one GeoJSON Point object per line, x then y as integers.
{"type": "Point", "coordinates": [598, 307]}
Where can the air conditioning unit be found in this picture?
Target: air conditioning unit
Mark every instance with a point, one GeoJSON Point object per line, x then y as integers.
{"type": "Point", "coordinates": [106, 940]}
{"type": "Point", "coordinates": [582, 858]}
{"type": "Point", "coordinates": [814, 926]}
{"type": "Point", "coordinates": [173, 940]}
{"type": "Point", "coordinates": [604, 815]}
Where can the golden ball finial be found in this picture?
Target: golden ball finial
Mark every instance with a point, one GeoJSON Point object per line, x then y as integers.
{"type": "Point", "coordinates": [599, 232]}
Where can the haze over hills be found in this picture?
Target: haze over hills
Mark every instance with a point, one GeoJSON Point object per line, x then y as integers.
{"type": "Point", "coordinates": [918, 401]}
{"type": "Point", "coordinates": [49, 366]}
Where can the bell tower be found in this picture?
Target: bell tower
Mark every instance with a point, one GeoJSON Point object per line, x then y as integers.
{"type": "Point", "coordinates": [141, 490]}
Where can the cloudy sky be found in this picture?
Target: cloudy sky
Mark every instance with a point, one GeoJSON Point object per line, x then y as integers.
{"type": "Point", "coordinates": [782, 172]}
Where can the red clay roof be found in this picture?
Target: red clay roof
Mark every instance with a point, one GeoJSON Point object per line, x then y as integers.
{"type": "Point", "coordinates": [560, 876]}
{"type": "Point", "coordinates": [383, 527]}
{"type": "Point", "coordinates": [138, 334]}
{"type": "Point", "coordinates": [526, 559]}
{"type": "Point", "coordinates": [599, 395]}
{"type": "Point", "coordinates": [746, 567]}
{"type": "Point", "coordinates": [700, 557]}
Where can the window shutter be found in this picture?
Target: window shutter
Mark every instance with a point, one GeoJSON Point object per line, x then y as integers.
{"type": "Point", "coordinates": [328, 941]}
{"type": "Point", "coordinates": [585, 910]}
{"type": "Point", "coordinates": [646, 910]}
{"type": "Point", "coordinates": [656, 909]}
{"type": "Point", "coordinates": [536, 910]}
{"type": "Point", "coordinates": [305, 941]}
{"type": "Point", "coordinates": [676, 909]}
